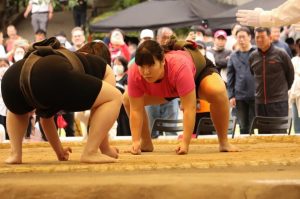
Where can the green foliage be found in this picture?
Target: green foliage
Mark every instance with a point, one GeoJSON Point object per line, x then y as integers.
{"type": "Point", "coordinates": [122, 4]}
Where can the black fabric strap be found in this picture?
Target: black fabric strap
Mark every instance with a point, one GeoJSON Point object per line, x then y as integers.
{"type": "Point", "coordinates": [25, 81]}
{"type": "Point", "coordinates": [41, 49]}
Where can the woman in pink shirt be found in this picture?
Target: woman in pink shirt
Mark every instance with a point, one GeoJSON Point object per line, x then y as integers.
{"type": "Point", "coordinates": [157, 77]}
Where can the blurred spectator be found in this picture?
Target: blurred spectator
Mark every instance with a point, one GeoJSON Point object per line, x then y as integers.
{"type": "Point", "coordinates": [78, 38]}
{"type": "Point", "coordinates": [2, 48]}
{"type": "Point", "coordinates": [117, 45]}
{"type": "Point", "coordinates": [19, 53]}
{"type": "Point", "coordinates": [120, 70]}
{"type": "Point", "coordinates": [196, 34]}
{"type": "Point", "coordinates": [289, 32]}
{"type": "Point", "coordinates": [240, 80]}
{"type": "Point", "coordinates": [221, 54]}
{"type": "Point", "coordinates": [275, 35]}
{"type": "Point", "coordinates": [294, 95]}
{"type": "Point", "coordinates": [203, 49]}
{"type": "Point", "coordinates": [231, 39]}
{"type": "Point", "coordinates": [63, 4]}
{"type": "Point", "coordinates": [273, 73]}
{"type": "Point", "coordinates": [12, 38]}
{"type": "Point", "coordinates": [208, 38]}
{"type": "Point", "coordinates": [79, 13]}
{"type": "Point", "coordinates": [40, 35]}
{"type": "Point", "coordinates": [41, 12]}
{"type": "Point", "coordinates": [146, 34]}
{"type": "Point", "coordinates": [4, 65]}
{"type": "Point", "coordinates": [163, 35]}
{"type": "Point", "coordinates": [62, 38]}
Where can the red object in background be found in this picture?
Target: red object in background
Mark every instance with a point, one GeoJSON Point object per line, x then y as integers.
{"type": "Point", "coordinates": [61, 123]}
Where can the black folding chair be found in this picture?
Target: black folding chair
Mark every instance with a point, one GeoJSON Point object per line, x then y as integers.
{"type": "Point", "coordinates": [271, 124]}
{"type": "Point", "coordinates": [206, 126]}
{"type": "Point", "coordinates": [167, 125]}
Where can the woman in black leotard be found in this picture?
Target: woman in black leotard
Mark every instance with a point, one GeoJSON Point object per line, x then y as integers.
{"type": "Point", "coordinates": [57, 86]}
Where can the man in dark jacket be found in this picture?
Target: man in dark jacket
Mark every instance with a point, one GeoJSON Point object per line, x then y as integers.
{"type": "Point", "coordinates": [240, 81]}
{"type": "Point", "coordinates": [274, 74]}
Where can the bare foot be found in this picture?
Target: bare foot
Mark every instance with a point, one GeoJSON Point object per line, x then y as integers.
{"type": "Point", "coordinates": [147, 146]}
{"type": "Point", "coordinates": [13, 159]}
{"type": "Point", "coordinates": [228, 148]}
{"type": "Point", "coordinates": [96, 158]}
{"type": "Point", "coordinates": [112, 152]}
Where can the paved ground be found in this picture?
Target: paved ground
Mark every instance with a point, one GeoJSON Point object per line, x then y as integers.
{"type": "Point", "coordinates": [61, 21]}
{"type": "Point", "coordinates": [267, 167]}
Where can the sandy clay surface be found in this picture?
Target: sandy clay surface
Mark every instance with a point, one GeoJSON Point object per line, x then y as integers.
{"type": "Point", "coordinates": [267, 167]}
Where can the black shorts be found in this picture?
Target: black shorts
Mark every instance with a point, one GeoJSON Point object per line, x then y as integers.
{"type": "Point", "coordinates": [208, 70]}
{"type": "Point", "coordinates": [54, 85]}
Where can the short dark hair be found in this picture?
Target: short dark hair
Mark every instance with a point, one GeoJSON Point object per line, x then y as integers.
{"type": "Point", "coordinates": [40, 31]}
{"type": "Point", "coordinates": [263, 29]}
{"type": "Point", "coordinates": [243, 29]}
{"type": "Point", "coordinates": [123, 61]}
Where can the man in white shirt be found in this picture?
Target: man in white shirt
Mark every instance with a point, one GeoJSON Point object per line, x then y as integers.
{"type": "Point", "coordinates": [41, 12]}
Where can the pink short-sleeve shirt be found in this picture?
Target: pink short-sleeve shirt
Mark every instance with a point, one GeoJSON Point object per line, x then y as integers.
{"type": "Point", "coordinates": [177, 81]}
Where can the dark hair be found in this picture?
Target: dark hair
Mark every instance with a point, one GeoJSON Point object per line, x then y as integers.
{"type": "Point", "coordinates": [243, 29]}
{"type": "Point", "coordinates": [41, 31]}
{"type": "Point", "coordinates": [208, 32]}
{"type": "Point", "coordinates": [263, 29]}
{"type": "Point", "coordinates": [123, 61]}
{"type": "Point", "coordinates": [198, 28]}
{"type": "Point", "coordinates": [147, 51]}
{"type": "Point", "coordinates": [97, 48]}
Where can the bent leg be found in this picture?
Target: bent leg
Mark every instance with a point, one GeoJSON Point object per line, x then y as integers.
{"type": "Point", "coordinates": [213, 90]}
{"type": "Point", "coordinates": [105, 147]}
{"type": "Point", "coordinates": [105, 111]}
{"type": "Point", "coordinates": [16, 127]}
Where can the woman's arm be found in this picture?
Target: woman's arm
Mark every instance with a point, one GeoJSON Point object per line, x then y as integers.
{"type": "Point", "coordinates": [137, 110]}
{"type": "Point", "coordinates": [188, 104]}
{"type": "Point", "coordinates": [52, 136]}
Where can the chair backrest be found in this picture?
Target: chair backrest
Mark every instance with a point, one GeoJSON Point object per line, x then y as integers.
{"type": "Point", "coordinates": [167, 125]}
{"type": "Point", "coordinates": [206, 126]}
{"type": "Point", "coordinates": [271, 124]}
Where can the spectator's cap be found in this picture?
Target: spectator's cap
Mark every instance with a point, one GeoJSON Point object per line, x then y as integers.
{"type": "Point", "coordinates": [198, 28]}
{"type": "Point", "coordinates": [200, 44]}
{"type": "Point", "coordinates": [220, 33]}
{"type": "Point", "coordinates": [147, 33]}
